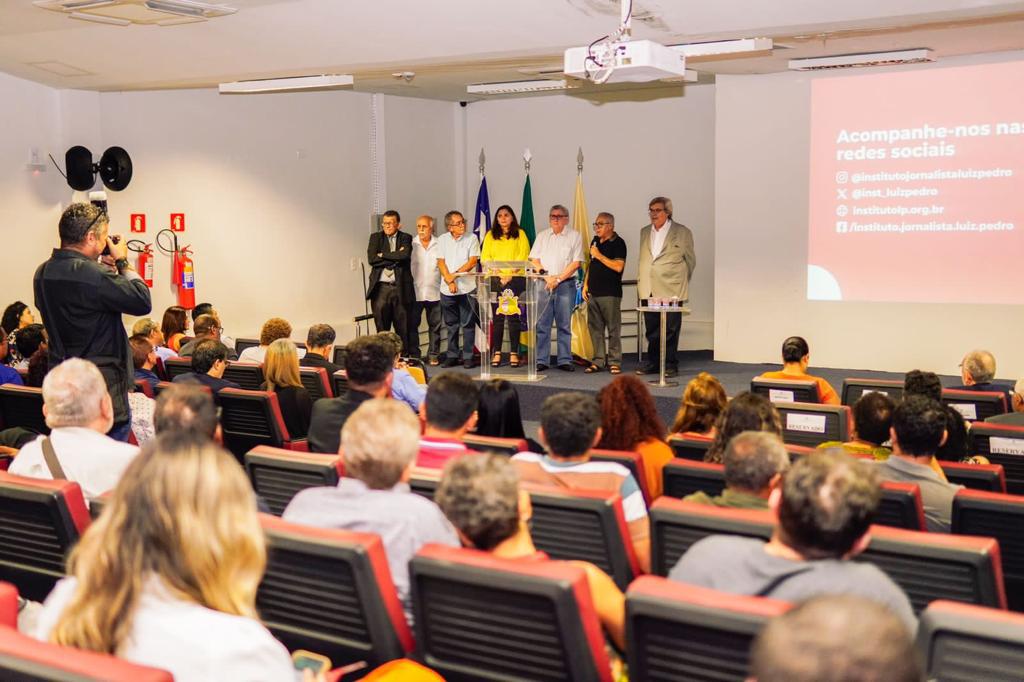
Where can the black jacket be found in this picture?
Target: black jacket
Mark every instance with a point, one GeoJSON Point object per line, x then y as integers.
{"type": "Point", "coordinates": [81, 304]}
{"type": "Point", "coordinates": [317, 360]}
{"type": "Point", "coordinates": [400, 260]}
{"type": "Point", "coordinates": [329, 415]}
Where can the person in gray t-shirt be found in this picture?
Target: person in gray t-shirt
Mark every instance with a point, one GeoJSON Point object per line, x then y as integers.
{"type": "Point", "coordinates": [824, 509]}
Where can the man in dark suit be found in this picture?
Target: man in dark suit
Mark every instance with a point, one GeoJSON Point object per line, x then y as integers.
{"type": "Point", "coordinates": [319, 348]}
{"type": "Point", "coordinates": [391, 292]}
{"type": "Point", "coordinates": [368, 364]}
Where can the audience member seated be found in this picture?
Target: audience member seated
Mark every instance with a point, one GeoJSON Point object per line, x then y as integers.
{"type": "Point", "coordinates": [38, 366]}
{"type": "Point", "coordinates": [872, 417]}
{"type": "Point", "coordinates": [754, 463]}
{"type": "Point", "coordinates": [79, 413]}
{"type": "Point", "coordinates": [630, 421]}
{"type": "Point", "coordinates": [978, 372]}
{"type": "Point", "coordinates": [273, 329]}
{"type": "Point", "coordinates": [823, 511]}
{"type": "Point", "coordinates": [206, 327]}
{"type": "Point", "coordinates": [796, 355]}
{"type": "Point", "coordinates": [144, 359]}
{"type": "Point", "coordinates": [837, 637]}
{"type": "Point", "coordinates": [1015, 417]}
{"type": "Point", "coordinates": [167, 576]}
{"type": "Point", "coordinates": [8, 375]}
{"type": "Point", "coordinates": [403, 387]}
{"type": "Point", "coordinates": [746, 412]}
{"type": "Point", "coordinates": [320, 348]}
{"type": "Point", "coordinates": [480, 495]}
{"type": "Point", "coordinates": [570, 425]}
{"type": "Point", "coordinates": [448, 413]}
{"type": "Point", "coordinates": [929, 385]}
{"type": "Point", "coordinates": [186, 411]}
{"type": "Point", "coordinates": [208, 309]}
{"type": "Point", "coordinates": [151, 330]}
{"type": "Point", "coordinates": [28, 340]}
{"type": "Point", "coordinates": [499, 415]}
{"type": "Point", "coordinates": [16, 316]}
{"type": "Point", "coordinates": [379, 443]}
{"type": "Point", "coordinates": [281, 370]}
{"type": "Point", "coordinates": [368, 365]}
{"type": "Point", "coordinates": [703, 401]}
{"type": "Point", "coordinates": [174, 327]}
{"type": "Point", "coordinates": [918, 429]}
{"type": "Point", "coordinates": [209, 360]}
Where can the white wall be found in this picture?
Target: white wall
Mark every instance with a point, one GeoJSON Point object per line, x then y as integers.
{"type": "Point", "coordinates": [633, 150]}
{"type": "Point", "coordinates": [761, 206]}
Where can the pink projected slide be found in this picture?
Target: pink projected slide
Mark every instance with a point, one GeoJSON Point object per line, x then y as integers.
{"type": "Point", "coordinates": [917, 186]}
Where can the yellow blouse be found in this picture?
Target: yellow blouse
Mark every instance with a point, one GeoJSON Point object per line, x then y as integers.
{"type": "Point", "coordinates": [505, 249]}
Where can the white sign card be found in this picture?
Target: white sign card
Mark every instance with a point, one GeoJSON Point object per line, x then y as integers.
{"type": "Point", "coordinates": [778, 395]}
{"type": "Point", "coordinates": [968, 411]}
{"type": "Point", "coordinates": [873, 390]}
{"type": "Point", "coordinates": [1006, 446]}
{"type": "Point", "coordinates": [809, 423]}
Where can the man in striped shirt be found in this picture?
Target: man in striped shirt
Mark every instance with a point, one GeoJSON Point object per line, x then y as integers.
{"type": "Point", "coordinates": [570, 425]}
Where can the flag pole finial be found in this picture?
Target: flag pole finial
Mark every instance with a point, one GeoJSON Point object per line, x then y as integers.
{"type": "Point", "coordinates": [483, 160]}
{"type": "Point", "coordinates": [526, 160]}
{"type": "Point", "coordinates": [579, 160]}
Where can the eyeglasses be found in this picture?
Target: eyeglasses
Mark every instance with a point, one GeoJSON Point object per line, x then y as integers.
{"type": "Point", "coordinates": [558, 216]}
{"type": "Point", "coordinates": [461, 223]}
{"type": "Point", "coordinates": [655, 210]}
{"type": "Point", "coordinates": [600, 224]}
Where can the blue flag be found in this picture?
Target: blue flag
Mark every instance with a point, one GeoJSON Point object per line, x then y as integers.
{"type": "Point", "coordinates": [483, 205]}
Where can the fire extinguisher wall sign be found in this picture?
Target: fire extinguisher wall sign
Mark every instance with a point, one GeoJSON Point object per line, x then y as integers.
{"type": "Point", "coordinates": [184, 277]}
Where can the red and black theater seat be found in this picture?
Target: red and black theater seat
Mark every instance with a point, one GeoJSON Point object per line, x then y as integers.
{"type": "Point", "coordinates": [975, 405]}
{"type": "Point", "coordinates": [483, 618]}
{"type": "Point", "coordinates": [144, 387]}
{"type": "Point", "coordinates": [248, 375]}
{"type": "Point", "coordinates": [339, 382]}
{"type": "Point", "coordinates": [900, 506]}
{"type": "Point", "coordinates": [502, 446]}
{"type": "Point", "coordinates": [684, 633]}
{"type": "Point", "coordinates": [338, 357]}
{"type": "Point", "coordinates": [1001, 517]}
{"type": "Point", "coordinates": [583, 525]}
{"type": "Point", "coordinates": [26, 658]}
{"type": "Point", "coordinates": [22, 406]}
{"type": "Point", "coordinates": [252, 418]}
{"type": "Point", "coordinates": [988, 477]}
{"type": "Point", "coordinates": [40, 520]}
{"type": "Point", "coordinates": [689, 447]}
{"type": "Point", "coordinates": [1002, 444]}
{"type": "Point", "coordinates": [330, 591]}
{"type": "Point", "coordinates": [633, 461]}
{"type": "Point", "coordinates": [424, 482]}
{"type": "Point", "coordinates": [242, 344]}
{"type": "Point", "coordinates": [786, 391]}
{"type": "Point", "coordinates": [8, 605]}
{"type": "Point", "coordinates": [965, 642]}
{"type": "Point", "coordinates": [855, 389]}
{"type": "Point", "coordinates": [811, 425]}
{"type": "Point", "coordinates": [684, 477]}
{"type": "Point", "coordinates": [316, 381]}
{"type": "Point", "coordinates": [177, 366]}
{"type": "Point", "coordinates": [277, 475]}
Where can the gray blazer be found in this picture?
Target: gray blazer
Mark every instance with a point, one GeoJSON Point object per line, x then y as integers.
{"type": "Point", "coordinates": [669, 274]}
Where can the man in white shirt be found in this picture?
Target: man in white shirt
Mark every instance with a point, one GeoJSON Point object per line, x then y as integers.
{"type": "Point", "coordinates": [79, 412]}
{"type": "Point", "coordinates": [558, 251]}
{"type": "Point", "coordinates": [426, 280]}
{"type": "Point", "coordinates": [457, 253]}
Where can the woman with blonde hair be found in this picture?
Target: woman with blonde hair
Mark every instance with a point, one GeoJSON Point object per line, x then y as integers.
{"type": "Point", "coordinates": [281, 371]}
{"type": "Point", "coordinates": [703, 400]}
{"type": "Point", "coordinates": [167, 576]}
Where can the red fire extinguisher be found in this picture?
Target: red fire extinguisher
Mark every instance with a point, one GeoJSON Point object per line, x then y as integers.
{"type": "Point", "coordinates": [184, 278]}
{"type": "Point", "coordinates": [146, 265]}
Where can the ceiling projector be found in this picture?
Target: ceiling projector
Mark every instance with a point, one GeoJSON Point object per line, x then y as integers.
{"type": "Point", "coordinates": [624, 61]}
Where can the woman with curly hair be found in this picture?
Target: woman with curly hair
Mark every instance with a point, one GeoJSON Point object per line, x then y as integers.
{"type": "Point", "coordinates": [702, 402]}
{"type": "Point", "coordinates": [630, 421]}
{"type": "Point", "coordinates": [273, 329]}
{"type": "Point", "coordinates": [746, 412]}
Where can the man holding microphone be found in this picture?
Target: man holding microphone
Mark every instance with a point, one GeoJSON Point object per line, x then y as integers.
{"type": "Point", "coordinates": [603, 291]}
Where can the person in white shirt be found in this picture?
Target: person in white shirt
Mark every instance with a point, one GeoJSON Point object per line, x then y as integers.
{"type": "Point", "coordinates": [558, 251]}
{"type": "Point", "coordinates": [79, 412]}
{"type": "Point", "coordinates": [273, 329]}
{"type": "Point", "coordinates": [457, 253]}
{"type": "Point", "coordinates": [426, 280]}
{"type": "Point", "coordinates": [167, 576]}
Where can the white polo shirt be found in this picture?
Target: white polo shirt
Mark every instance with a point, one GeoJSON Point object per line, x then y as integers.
{"type": "Point", "coordinates": [556, 251]}
{"type": "Point", "coordinates": [455, 253]}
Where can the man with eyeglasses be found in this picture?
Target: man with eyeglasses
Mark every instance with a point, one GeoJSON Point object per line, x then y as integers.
{"type": "Point", "coordinates": [206, 327]}
{"type": "Point", "coordinates": [458, 252]}
{"type": "Point", "coordinates": [603, 291]}
{"type": "Point", "coordinates": [390, 292]}
{"type": "Point", "coordinates": [557, 252]}
{"type": "Point", "coordinates": [1015, 417]}
{"type": "Point", "coordinates": [81, 298]}
{"type": "Point", "coordinates": [666, 264]}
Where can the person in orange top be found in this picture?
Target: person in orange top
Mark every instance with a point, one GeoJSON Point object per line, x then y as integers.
{"type": "Point", "coordinates": [630, 421]}
{"type": "Point", "coordinates": [795, 357]}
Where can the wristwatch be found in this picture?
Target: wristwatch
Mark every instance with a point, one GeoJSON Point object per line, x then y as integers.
{"type": "Point", "coordinates": [121, 264]}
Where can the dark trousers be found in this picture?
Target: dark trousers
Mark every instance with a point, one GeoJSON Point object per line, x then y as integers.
{"type": "Point", "coordinates": [433, 311]}
{"type": "Point", "coordinates": [652, 330]}
{"type": "Point", "coordinates": [388, 311]}
{"type": "Point", "coordinates": [459, 317]}
{"type": "Point", "coordinates": [514, 323]}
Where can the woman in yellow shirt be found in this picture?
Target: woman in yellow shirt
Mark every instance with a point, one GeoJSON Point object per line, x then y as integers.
{"type": "Point", "coordinates": [506, 241]}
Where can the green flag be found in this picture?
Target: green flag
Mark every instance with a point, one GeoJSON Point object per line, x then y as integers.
{"type": "Point", "coordinates": [526, 214]}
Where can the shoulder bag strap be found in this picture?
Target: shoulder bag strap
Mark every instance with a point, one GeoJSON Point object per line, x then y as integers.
{"type": "Point", "coordinates": [51, 460]}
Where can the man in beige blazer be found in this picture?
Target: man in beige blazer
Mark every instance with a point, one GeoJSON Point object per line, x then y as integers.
{"type": "Point", "coordinates": [666, 264]}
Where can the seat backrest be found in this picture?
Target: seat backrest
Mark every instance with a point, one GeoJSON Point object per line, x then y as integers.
{"type": "Point", "coordinates": [316, 381]}
{"type": "Point", "coordinates": [24, 658]}
{"type": "Point", "coordinates": [483, 618]}
{"type": "Point", "coordinates": [277, 475]}
{"type": "Point", "coordinates": [966, 642]}
{"type": "Point", "coordinates": [160, 387]}
{"type": "Point", "coordinates": [242, 344]}
{"type": "Point", "coordinates": [990, 477]}
{"type": "Point", "coordinates": [338, 356]}
{"type": "Point", "coordinates": [502, 446]}
{"type": "Point", "coordinates": [250, 418]}
{"type": "Point", "coordinates": [930, 566]}
{"type": "Point", "coordinates": [676, 525]}
{"type": "Point", "coordinates": [339, 382]}
{"type": "Point", "coordinates": [810, 425]}
{"type": "Point", "coordinates": [177, 366]}
{"type": "Point", "coordinates": [689, 447]}
{"type": "Point", "coordinates": [424, 484]}
{"type": "Point", "coordinates": [1001, 444]}
{"type": "Point", "coordinates": [786, 391]}
{"type": "Point", "coordinates": [683, 477]}
{"type": "Point", "coordinates": [633, 461]}
{"type": "Point", "coordinates": [248, 375]}
{"type": "Point", "coordinates": [900, 506]}
{"type": "Point", "coordinates": [855, 389]}
{"type": "Point", "coordinates": [330, 591]}
{"type": "Point", "coordinates": [22, 406]}
{"type": "Point", "coordinates": [998, 516]}
{"type": "Point", "coordinates": [144, 387]}
{"type": "Point", "coordinates": [975, 405]}
{"type": "Point", "coordinates": [40, 520]}
{"type": "Point", "coordinates": [687, 633]}
{"type": "Point", "coordinates": [583, 525]}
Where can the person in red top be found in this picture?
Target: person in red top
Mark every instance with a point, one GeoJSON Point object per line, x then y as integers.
{"type": "Point", "coordinates": [796, 355]}
{"type": "Point", "coordinates": [448, 413]}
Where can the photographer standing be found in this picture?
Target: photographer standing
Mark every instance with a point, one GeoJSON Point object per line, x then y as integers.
{"type": "Point", "coordinates": [81, 293]}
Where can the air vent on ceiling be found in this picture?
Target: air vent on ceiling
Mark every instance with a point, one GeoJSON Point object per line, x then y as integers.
{"type": "Point", "coordinates": [125, 12]}
{"type": "Point", "coordinates": [847, 61]}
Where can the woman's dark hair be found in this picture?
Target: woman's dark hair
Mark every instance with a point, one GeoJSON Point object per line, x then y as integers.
{"type": "Point", "coordinates": [513, 228]}
{"type": "Point", "coordinates": [12, 316]}
{"type": "Point", "coordinates": [746, 412]}
{"type": "Point", "coordinates": [498, 413]}
{"type": "Point", "coordinates": [38, 366]}
{"type": "Point", "coordinates": [174, 322]}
